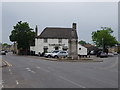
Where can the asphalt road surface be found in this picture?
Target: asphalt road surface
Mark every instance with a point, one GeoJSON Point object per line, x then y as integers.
{"type": "Point", "coordinates": [33, 72]}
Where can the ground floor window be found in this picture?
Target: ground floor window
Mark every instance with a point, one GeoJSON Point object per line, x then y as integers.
{"type": "Point", "coordinates": [65, 48]}
{"type": "Point", "coordinates": [45, 49]}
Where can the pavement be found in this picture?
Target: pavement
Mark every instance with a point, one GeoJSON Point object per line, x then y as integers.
{"type": "Point", "coordinates": [35, 72]}
{"type": "Point", "coordinates": [91, 59]}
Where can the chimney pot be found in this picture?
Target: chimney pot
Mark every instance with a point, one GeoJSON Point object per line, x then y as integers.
{"type": "Point", "coordinates": [36, 30]}
{"type": "Point", "coordinates": [74, 26]}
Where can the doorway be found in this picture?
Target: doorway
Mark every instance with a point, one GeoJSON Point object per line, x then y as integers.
{"type": "Point", "coordinates": [56, 48]}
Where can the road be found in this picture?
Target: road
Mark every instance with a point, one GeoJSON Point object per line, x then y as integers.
{"type": "Point", "coordinates": [33, 72]}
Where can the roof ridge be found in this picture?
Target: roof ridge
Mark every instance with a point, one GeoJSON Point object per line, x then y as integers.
{"type": "Point", "coordinates": [57, 32]}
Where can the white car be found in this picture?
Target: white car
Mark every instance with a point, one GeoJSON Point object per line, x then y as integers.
{"type": "Point", "coordinates": [49, 54]}
{"type": "Point", "coordinates": [59, 54]}
{"type": "Point", "coordinates": [115, 53]}
{"type": "Point", "coordinates": [111, 54]}
{"type": "Point", "coordinates": [2, 52]}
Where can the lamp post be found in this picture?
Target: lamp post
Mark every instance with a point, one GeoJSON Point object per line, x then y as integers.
{"type": "Point", "coordinates": [103, 44]}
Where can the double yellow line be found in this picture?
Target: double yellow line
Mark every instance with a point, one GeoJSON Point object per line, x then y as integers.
{"type": "Point", "coordinates": [6, 63]}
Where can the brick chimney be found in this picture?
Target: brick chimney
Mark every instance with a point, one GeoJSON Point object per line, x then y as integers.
{"type": "Point", "coordinates": [74, 26]}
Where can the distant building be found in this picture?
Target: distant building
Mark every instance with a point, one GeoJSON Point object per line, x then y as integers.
{"type": "Point", "coordinates": [6, 47]}
{"type": "Point", "coordinates": [53, 38]}
{"type": "Point", "coordinates": [114, 49]}
{"type": "Point", "coordinates": [91, 48]}
{"type": "Point", "coordinates": [14, 48]}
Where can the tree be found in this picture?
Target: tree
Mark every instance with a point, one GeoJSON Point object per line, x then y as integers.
{"type": "Point", "coordinates": [103, 38]}
{"type": "Point", "coordinates": [5, 44]}
{"type": "Point", "coordinates": [23, 35]}
{"type": "Point", "coordinates": [82, 42]}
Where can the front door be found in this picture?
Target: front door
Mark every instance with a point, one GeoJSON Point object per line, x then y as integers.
{"type": "Point", "coordinates": [56, 48]}
{"type": "Point", "coordinates": [45, 49]}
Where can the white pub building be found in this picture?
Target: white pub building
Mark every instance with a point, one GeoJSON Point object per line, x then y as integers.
{"type": "Point", "coordinates": [54, 38]}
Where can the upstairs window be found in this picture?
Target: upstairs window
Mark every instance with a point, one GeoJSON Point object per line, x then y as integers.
{"type": "Point", "coordinates": [45, 40]}
{"type": "Point", "coordinates": [59, 40]}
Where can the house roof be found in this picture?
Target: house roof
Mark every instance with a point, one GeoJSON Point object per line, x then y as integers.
{"type": "Point", "coordinates": [90, 47]}
{"type": "Point", "coordinates": [55, 32]}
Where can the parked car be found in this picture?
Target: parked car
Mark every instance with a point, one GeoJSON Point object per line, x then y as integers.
{"type": "Point", "coordinates": [49, 54]}
{"type": "Point", "coordinates": [111, 54]}
{"type": "Point", "coordinates": [103, 54]}
{"type": "Point", "coordinates": [115, 53]}
{"type": "Point", "coordinates": [56, 54]}
{"type": "Point", "coordinates": [92, 52]}
{"type": "Point", "coordinates": [6, 51]}
{"type": "Point", "coordinates": [59, 54]}
{"type": "Point", "coordinates": [98, 53]}
{"type": "Point", "coordinates": [2, 52]}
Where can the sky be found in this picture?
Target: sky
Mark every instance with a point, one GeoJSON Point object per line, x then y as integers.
{"type": "Point", "coordinates": [89, 16]}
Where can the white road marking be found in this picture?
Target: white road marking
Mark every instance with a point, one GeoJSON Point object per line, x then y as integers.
{"type": "Point", "coordinates": [10, 71]}
{"type": "Point", "coordinates": [33, 72]}
{"type": "Point", "coordinates": [37, 67]}
{"type": "Point", "coordinates": [2, 84]}
{"type": "Point", "coordinates": [27, 68]}
{"type": "Point", "coordinates": [30, 70]}
{"type": "Point", "coordinates": [71, 82]}
{"type": "Point", "coordinates": [17, 82]}
{"type": "Point", "coordinates": [43, 69]}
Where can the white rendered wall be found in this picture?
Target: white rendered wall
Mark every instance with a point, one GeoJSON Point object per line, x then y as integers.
{"type": "Point", "coordinates": [83, 50]}
{"type": "Point", "coordinates": [39, 44]}
{"type": "Point", "coordinates": [32, 48]}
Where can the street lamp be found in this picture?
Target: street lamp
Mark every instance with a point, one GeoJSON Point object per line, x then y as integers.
{"type": "Point", "coordinates": [103, 44]}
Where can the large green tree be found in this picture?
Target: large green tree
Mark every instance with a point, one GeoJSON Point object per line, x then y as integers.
{"type": "Point", "coordinates": [23, 35]}
{"type": "Point", "coordinates": [103, 38]}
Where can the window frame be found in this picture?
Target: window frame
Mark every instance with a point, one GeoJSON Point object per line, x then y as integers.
{"type": "Point", "coordinates": [60, 40]}
{"type": "Point", "coordinates": [45, 40]}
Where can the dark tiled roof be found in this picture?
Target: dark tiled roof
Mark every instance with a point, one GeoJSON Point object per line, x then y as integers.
{"type": "Point", "coordinates": [90, 47]}
{"type": "Point", "coordinates": [63, 33]}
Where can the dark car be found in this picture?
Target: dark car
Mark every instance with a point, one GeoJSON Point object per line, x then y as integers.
{"type": "Point", "coordinates": [103, 54]}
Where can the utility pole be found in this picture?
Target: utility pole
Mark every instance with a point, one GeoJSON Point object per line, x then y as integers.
{"type": "Point", "coordinates": [103, 44]}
